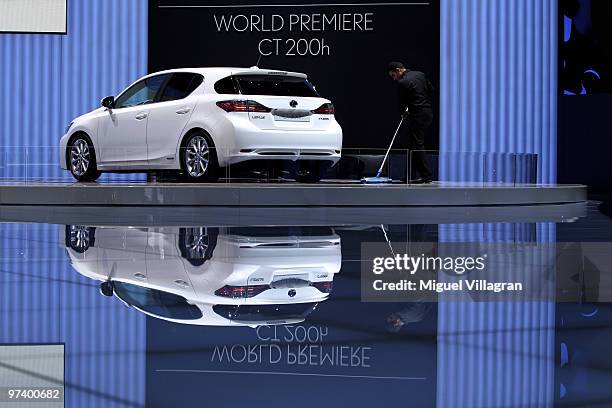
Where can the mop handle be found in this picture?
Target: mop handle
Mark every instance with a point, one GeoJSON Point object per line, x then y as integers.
{"type": "Point", "coordinates": [390, 146]}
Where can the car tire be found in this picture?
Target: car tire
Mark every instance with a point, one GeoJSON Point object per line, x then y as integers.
{"type": "Point", "coordinates": [309, 172]}
{"type": "Point", "coordinates": [197, 244]}
{"type": "Point", "coordinates": [80, 238]}
{"type": "Point", "coordinates": [199, 158]}
{"type": "Point", "coordinates": [81, 159]}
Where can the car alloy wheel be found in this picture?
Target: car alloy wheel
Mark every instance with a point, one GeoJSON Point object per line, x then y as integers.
{"type": "Point", "coordinates": [80, 157]}
{"type": "Point", "coordinates": [197, 243]}
{"type": "Point", "coordinates": [197, 156]}
{"type": "Point", "coordinates": [79, 238]}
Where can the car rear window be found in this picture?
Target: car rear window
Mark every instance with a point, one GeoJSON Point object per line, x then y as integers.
{"type": "Point", "coordinates": [307, 231]}
{"type": "Point", "coordinates": [274, 85]}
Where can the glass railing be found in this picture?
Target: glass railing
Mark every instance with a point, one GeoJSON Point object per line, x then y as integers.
{"type": "Point", "coordinates": [42, 164]}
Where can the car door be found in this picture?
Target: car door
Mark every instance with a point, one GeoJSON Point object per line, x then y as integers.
{"type": "Point", "coordinates": [165, 268]}
{"type": "Point", "coordinates": [169, 116]}
{"type": "Point", "coordinates": [122, 253]}
{"type": "Point", "coordinates": [122, 134]}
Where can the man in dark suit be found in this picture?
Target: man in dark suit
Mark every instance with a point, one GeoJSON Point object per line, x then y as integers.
{"type": "Point", "coordinates": [415, 94]}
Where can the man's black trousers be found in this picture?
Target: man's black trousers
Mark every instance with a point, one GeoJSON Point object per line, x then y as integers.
{"type": "Point", "coordinates": [417, 125]}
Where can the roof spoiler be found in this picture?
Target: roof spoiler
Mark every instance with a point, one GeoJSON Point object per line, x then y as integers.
{"type": "Point", "coordinates": [268, 72]}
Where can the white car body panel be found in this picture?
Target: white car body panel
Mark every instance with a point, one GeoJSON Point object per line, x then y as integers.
{"type": "Point", "coordinates": [148, 137]}
{"type": "Point", "coordinates": [124, 133]}
{"type": "Point", "coordinates": [166, 125]}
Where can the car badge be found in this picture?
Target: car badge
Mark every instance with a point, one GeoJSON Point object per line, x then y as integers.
{"type": "Point", "coordinates": [293, 103]}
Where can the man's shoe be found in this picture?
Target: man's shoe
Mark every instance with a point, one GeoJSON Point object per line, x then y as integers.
{"type": "Point", "coordinates": [420, 180]}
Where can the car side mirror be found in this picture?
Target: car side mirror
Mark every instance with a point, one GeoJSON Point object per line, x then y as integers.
{"type": "Point", "coordinates": [106, 288]}
{"type": "Point", "coordinates": [108, 102]}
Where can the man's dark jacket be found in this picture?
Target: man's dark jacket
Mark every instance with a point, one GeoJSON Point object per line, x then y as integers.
{"type": "Point", "coordinates": [415, 92]}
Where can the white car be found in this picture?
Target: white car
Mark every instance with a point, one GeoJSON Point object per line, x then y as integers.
{"type": "Point", "coordinates": [210, 276]}
{"type": "Point", "coordinates": [196, 121]}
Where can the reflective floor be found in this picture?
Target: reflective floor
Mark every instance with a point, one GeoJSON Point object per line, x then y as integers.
{"type": "Point", "coordinates": [232, 308]}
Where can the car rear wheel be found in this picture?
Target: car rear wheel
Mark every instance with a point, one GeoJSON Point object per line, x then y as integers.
{"type": "Point", "coordinates": [199, 158]}
{"type": "Point", "coordinates": [197, 244]}
{"type": "Point", "coordinates": [81, 158]}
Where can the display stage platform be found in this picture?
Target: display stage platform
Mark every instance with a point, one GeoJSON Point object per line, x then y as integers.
{"type": "Point", "coordinates": [326, 194]}
{"type": "Point", "coordinates": [290, 216]}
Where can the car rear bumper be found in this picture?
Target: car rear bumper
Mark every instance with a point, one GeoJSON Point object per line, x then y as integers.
{"type": "Point", "coordinates": [285, 154]}
{"type": "Point", "coordinates": [244, 141]}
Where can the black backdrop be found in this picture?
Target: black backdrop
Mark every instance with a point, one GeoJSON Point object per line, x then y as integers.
{"type": "Point", "coordinates": [351, 73]}
{"type": "Point", "coordinates": [583, 136]}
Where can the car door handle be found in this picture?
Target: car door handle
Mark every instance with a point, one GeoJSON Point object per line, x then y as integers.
{"type": "Point", "coordinates": [183, 111]}
{"type": "Point", "coordinates": [181, 283]}
{"type": "Point", "coordinates": [141, 115]}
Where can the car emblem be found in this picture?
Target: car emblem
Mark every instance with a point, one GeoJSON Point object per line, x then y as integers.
{"type": "Point", "coordinates": [292, 293]}
{"type": "Point", "coordinates": [293, 103]}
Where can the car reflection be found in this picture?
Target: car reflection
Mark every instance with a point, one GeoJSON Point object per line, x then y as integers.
{"type": "Point", "coordinates": [242, 276]}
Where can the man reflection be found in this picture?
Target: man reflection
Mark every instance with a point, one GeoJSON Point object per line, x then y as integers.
{"type": "Point", "coordinates": [417, 310]}
{"type": "Point", "coordinates": [413, 313]}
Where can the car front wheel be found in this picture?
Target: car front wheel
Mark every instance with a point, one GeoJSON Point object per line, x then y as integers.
{"type": "Point", "coordinates": [81, 158]}
{"type": "Point", "coordinates": [80, 238]}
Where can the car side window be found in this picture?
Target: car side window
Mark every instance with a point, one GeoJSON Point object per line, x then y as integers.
{"type": "Point", "coordinates": [141, 93]}
{"type": "Point", "coordinates": [157, 302]}
{"type": "Point", "coordinates": [181, 85]}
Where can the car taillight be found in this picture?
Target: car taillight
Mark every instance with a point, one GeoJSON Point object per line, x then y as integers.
{"type": "Point", "coordinates": [325, 287]}
{"type": "Point", "coordinates": [241, 291]}
{"type": "Point", "coordinates": [325, 109]}
{"type": "Point", "coordinates": [242, 106]}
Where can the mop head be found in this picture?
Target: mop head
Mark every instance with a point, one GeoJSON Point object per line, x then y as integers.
{"type": "Point", "coordinates": [376, 180]}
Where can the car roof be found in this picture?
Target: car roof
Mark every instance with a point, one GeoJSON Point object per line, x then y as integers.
{"type": "Point", "coordinates": [220, 72]}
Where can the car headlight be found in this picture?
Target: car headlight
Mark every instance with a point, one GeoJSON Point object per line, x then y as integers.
{"type": "Point", "coordinates": [68, 127]}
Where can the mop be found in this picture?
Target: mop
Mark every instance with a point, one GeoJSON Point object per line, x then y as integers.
{"type": "Point", "coordinates": [378, 179]}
